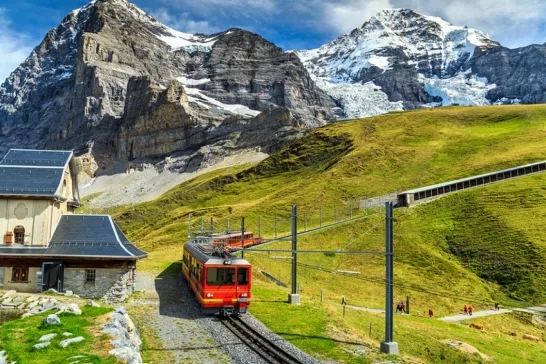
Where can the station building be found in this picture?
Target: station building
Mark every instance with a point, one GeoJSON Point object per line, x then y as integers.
{"type": "Point", "coordinates": [45, 244]}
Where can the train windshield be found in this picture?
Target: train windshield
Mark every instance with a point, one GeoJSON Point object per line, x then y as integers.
{"type": "Point", "coordinates": [219, 276]}
{"type": "Point", "coordinates": [242, 275]}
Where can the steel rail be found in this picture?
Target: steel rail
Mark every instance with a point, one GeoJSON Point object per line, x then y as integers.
{"type": "Point", "coordinates": [260, 344]}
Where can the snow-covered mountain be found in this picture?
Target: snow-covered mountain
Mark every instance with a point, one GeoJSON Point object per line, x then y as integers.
{"type": "Point", "coordinates": [400, 59]}
{"type": "Point", "coordinates": [114, 77]}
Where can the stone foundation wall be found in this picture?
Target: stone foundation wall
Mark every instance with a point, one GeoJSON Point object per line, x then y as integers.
{"type": "Point", "coordinates": [110, 284]}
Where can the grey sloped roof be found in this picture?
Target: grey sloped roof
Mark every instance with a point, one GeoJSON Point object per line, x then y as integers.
{"type": "Point", "coordinates": [91, 235]}
{"type": "Point", "coordinates": [33, 158]}
{"type": "Point", "coordinates": [30, 181]}
{"type": "Point", "coordinates": [84, 236]}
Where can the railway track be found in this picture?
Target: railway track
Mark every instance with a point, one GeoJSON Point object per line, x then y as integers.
{"type": "Point", "coordinates": [260, 344]}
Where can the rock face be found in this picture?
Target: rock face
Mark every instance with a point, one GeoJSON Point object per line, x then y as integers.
{"type": "Point", "coordinates": [401, 59]}
{"type": "Point", "coordinates": [113, 76]}
{"type": "Point", "coordinates": [125, 337]}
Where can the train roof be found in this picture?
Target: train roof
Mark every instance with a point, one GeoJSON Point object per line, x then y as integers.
{"type": "Point", "coordinates": [206, 253]}
{"type": "Point", "coordinates": [206, 238]}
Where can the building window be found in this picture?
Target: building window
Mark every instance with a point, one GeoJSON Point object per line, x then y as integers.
{"type": "Point", "coordinates": [90, 275]}
{"type": "Point", "coordinates": [19, 233]}
{"type": "Point", "coordinates": [19, 275]}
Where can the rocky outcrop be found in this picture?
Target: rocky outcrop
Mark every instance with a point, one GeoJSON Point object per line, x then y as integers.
{"type": "Point", "coordinates": [112, 75]}
{"type": "Point", "coordinates": [126, 338]}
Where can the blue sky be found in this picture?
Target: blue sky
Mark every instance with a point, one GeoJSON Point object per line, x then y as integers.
{"type": "Point", "coordinates": [291, 24]}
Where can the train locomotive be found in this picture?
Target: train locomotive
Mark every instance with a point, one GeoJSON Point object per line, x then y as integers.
{"type": "Point", "coordinates": [220, 280]}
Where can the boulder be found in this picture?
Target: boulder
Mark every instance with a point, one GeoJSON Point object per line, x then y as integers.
{"type": "Point", "coordinates": [70, 308]}
{"type": "Point", "coordinates": [32, 304]}
{"type": "Point", "coordinates": [69, 293]}
{"type": "Point", "coordinates": [52, 290]}
{"type": "Point", "coordinates": [531, 337]}
{"type": "Point", "coordinates": [67, 342]}
{"type": "Point", "coordinates": [67, 334]}
{"type": "Point", "coordinates": [52, 320]}
{"type": "Point", "coordinates": [32, 299]}
{"type": "Point", "coordinates": [92, 303]}
{"type": "Point", "coordinates": [131, 356]}
{"type": "Point", "coordinates": [47, 337]}
{"type": "Point", "coordinates": [41, 345]}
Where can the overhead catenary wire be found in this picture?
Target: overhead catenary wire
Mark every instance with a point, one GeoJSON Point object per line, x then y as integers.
{"type": "Point", "coordinates": [407, 285]}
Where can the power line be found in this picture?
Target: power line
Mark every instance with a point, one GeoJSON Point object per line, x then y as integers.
{"type": "Point", "coordinates": [407, 285]}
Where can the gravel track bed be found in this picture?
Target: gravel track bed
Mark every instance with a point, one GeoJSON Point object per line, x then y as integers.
{"type": "Point", "coordinates": [173, 314]}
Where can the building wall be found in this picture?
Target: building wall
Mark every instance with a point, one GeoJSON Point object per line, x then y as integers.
{"type": "Point", "coordinates": [110, 284]}
{"type": "Point", "coordinates": [29, 287]}
{"type": "Point", "coordinates": [33, 215]}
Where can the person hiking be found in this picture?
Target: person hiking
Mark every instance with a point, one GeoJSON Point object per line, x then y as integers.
{"type": "Point", "coordinates": [470, 309]}
{"type": "Point", "coordinates": [497, 308]}
{"type": "Point", "coordinates": [398, 307]}
{"type": "Point", "coordinates": [430, 313]}
{"type": "Point", "coordinates": [465, 310]}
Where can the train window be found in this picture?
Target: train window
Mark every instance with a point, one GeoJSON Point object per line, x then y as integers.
{"type": "Point", "coordinates": [219, 276]}
{"type": "Point", "coordinates": [242, 275]}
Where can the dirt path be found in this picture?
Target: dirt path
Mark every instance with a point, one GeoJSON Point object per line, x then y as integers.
{"type": "Point", "coordinates": [475, 314]}
{"type": "Point", "coordinates": [461, 317]}
{"type": "Point", "coordinates": [169, 320]}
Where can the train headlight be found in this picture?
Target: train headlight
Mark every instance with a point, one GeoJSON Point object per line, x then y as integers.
{"type": "Point", "coordinates": [227, 262]}
{"type": "Point", "coordinates": [244, 294]}
{"type": "Point", "coordinates": [210, 295]}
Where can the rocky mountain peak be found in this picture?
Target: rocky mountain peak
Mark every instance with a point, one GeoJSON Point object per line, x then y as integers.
{"type": "Point", "coordinates": [112, 74]}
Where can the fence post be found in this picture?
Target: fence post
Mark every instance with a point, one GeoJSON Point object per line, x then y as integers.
{"type": "Point", "coordinates": [202, 224]}
{"type": "Point", "coordinates": [212, 223]}
{"type": "Point", "coordinates": [189, 225]}
{"type": "Point", "coordinates": [228, 224]}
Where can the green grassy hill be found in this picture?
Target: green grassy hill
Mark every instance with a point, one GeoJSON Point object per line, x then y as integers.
{"type": "Point", "coordinates": [476, 246]}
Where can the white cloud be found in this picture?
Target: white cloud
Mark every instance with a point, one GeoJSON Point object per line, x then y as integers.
{"type": "Point", "coordinates": [345, 16]}
{"type": "Point", "coordinates": [183, 23]}
{"type": "Point", "coordinates": [14, 47]}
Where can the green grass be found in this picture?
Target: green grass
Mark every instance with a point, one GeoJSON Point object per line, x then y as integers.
{"type": "Point", "coordinates": [342, 162]}
{"type": "Point", "coordinates": [323, 331]}
{"type": "Point", "coordinates": [18, 337]}
{"type": "Point", "coordinates": [477, 246]}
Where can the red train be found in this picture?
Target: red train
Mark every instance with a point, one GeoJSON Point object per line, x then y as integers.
{"type": "Point", "coordinates": [232, 239]}
{"type": "Point", "coordinates": [220, 280]}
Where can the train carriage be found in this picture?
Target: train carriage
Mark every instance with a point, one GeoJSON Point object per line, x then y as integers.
{"type": "Point", "coordinates": [220, 280]}
{"type": "Point", "coordinates": [232, 239]}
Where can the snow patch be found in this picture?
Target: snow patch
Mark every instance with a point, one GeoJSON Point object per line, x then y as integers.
{"type": "Point", "coordinates": [191, 43]}
{"type": "Point", "coordinates": [197, 96]}
{"type": "Point", "coordinates": [359, 100]}
{"type": "Point", "coordinates": [192, 82]}
{"type": "Point", "coordinates": [463, 89]}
